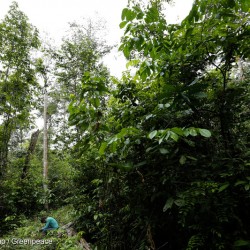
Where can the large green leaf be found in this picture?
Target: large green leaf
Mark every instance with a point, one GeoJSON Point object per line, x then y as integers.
{"type": "Point", "coordinates": [241, 243]}
{"type": "Point", "coordinates": [123, 24]}
{"type": "Point", "coordinates": [152, 134]}
{"type": "Point", "coordinates": [223, 187]}
{"type": "Point", "coordinates": [245, 4]}
{"type": "Point", "coordinates": [103, 148]}
{"type": "Point", "coordinates": [168, 205]}
{"type": "Point", "coordinates": [204, 132]}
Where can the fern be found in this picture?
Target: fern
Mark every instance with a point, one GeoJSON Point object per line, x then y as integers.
{"type": "Point", "coordinates": [196, 242]}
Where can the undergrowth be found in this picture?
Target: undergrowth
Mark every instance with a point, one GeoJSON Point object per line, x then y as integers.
{"type": "Point", "coordinates": [29, 236]}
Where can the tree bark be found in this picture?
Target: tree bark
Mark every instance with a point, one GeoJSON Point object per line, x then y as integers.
{"type": "Point", "coordinates": [45, 148]}
{"type": "Point", "coordinates": [32, 146]}
{"type": "Point", "coordinates": [5, 134]}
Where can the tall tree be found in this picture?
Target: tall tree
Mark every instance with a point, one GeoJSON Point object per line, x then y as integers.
{"type": "Point", "coordinates": [43, 67]}
{"type": "Point", "coordinates": [18, 39]}
{"type": "Point", "coordinates": [78, 61]}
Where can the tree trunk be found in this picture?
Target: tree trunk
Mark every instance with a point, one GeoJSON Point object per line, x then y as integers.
{"type": "Point", "coordinates": [45, 148]}
{"type": "Point", "coordinates": [32, 146]}
{"type": "Point", "coordinates": [5, 134]}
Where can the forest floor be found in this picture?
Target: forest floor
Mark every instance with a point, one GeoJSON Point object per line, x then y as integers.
{"type": "Point", "coordinates": [29, 237]}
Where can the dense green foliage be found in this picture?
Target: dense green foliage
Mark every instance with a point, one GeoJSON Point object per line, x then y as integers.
{"type": "Point", "coordinates": [17, 76]}
{"type": "Point", "coordinates": [158, 159]}
{"type": "Point", "coordinates": [173, 165]}
{"type": "Point", "coordinates": [18, 39]}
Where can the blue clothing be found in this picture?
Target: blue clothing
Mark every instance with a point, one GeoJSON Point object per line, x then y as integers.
{"type": "Point", "coordinates": [51, 224]}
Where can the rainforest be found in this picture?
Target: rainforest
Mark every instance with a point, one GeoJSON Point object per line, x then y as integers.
{"type": "Point", "coordinates": [156, 159]}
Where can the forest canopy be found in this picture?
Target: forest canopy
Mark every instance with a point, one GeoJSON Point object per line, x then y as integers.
{"type": "Point", "coordinates": [158, 159]}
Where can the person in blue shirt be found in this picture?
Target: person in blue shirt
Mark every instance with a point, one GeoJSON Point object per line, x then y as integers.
{"type": "Point", "coordinates": [51, 224]}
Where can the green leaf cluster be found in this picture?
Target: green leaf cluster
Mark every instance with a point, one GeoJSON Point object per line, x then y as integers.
{"type": "Point", "coordinates": [172, 158]}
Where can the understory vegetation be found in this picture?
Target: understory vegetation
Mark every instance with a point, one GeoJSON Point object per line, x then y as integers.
{"type": "Point", "coordinates": [158, 159]}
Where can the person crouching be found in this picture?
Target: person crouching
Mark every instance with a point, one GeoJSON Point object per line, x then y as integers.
{"type": "Point", "coordinates": [50, 224]}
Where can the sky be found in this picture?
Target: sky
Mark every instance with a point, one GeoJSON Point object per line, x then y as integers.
{"type": "Point", "coordinates": [52, 17]}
